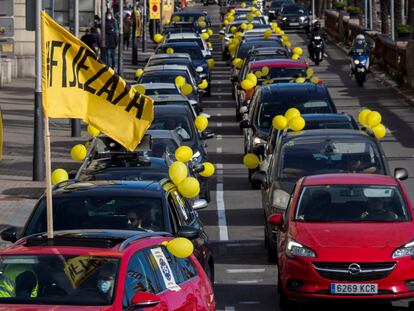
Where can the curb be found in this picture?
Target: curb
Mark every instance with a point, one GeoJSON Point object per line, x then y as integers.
{"type": "Point", "coordinates": [381, 77]}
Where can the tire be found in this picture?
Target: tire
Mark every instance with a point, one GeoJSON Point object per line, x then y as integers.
{"type": "Point", "coordinates": [411, 306]}
{"type": "Point", "coordinates": [271, 252]}
{"type": "Point", "coordinates": [208, 91]}
{"type": "Point", "coordinates": [209, 270]}
{"type": "Point", "coordinates": [207, 195]}
{"type": "Point", "coordinates": [285, 304]}
{"type": "Point", "coordinates": [254, 184]}
{"type": "Point", "coordinates": [238, 116]}
{"type": "Point", "coordinates": [317, 62]}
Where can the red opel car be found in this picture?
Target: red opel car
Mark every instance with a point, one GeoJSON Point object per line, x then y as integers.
{"type": "Point", "coordinates": [101, 270]}
{"type": "Point", "coordinates": [346, 236]}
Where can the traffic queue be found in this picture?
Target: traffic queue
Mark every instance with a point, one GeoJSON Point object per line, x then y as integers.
{"type": "Point", "coordinates": [127, 232]}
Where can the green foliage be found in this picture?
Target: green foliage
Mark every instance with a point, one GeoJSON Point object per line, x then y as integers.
{"type": "Point", "coordinates": [339, 5]}
{"type": "Point", "coordinates": [353, 9]}
{"type": "Point", "coordinates": [405, 29]}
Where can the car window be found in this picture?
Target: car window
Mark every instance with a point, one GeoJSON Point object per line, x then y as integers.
{"type": "Point", "coordinates": [196, 40]}
{"type": "Point", "coordinates": [178, 204]}
{"type": "Point", "coordinates": [163, 76]}
{"type": "Point", "coordinates": [100, 211]}
{"type": "Point", "coordinates": [187, 268]}
{"type": "Point", "coordinates": [280, 73]}
{"type": "Point", "coordinates": [351, 203]}
{"type": "Point", "coordinates": [161, 91]}
{"type": "Point", "coordinates": [162, 146]}
{"type": "Point", "coordinates": [140, 277]}
{"type": "Point", "coordinates": [311, 156]}
{"type": "Point", "coordinates": [177, 123]}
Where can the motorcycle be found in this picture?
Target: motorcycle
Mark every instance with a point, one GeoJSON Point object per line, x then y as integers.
{"type": "Point", "coordinates": [317, 49]}
{"type": "Point", "coordinates": [360, 65]}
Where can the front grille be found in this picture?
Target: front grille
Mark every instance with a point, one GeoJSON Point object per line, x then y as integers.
{"type": "Point", "coordinates": [293, 19]}
{"type": "Point", "coordinates": [341, 271]}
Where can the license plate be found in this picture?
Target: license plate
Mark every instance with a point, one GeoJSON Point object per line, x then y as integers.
{"type": "Point", "coordinates": [354, 289]}
{"type": "Point", "coordinates": [293, 24]}
{"type": "Point", "coordinates": [360, 69]}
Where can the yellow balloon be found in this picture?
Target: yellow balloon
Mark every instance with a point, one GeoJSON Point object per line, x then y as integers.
{"type": "Point", "coordinates": [309, 72]}
{"type": "Point", "coordinates": [233, 29]}
{"type": "Point", "coordinates": [209, 169]}
{"type": "Point", "coordinates": [267, 33]}
{"type": "Point", "coordinates": [253, 9]}
{"type": "Point", "coordinates": [297, 123]}
{"type": "Point", "coordinates": [205, 36]}
{"type": "Point", "coordinates": [258, 74]}
{"type": "Point", "coordinates": [140, 89]}
{"type": "Point", "coordinates": [291, 113]}
{"type": "Point", "coordinates": [203, 85]}
{"type": "Point", "coordinates": [202, 24]}
{"type": "Point", "coordinates": [167, 21]}
{"type": "Point", "coordinates": [250, 26]}
{"type": "Point", "coordinates": [379, 131]}
{"type": "Point", "coordinates": [233, 11]}
{"type": "Point", "coordinates": [257, 13]}
{"type": "Point", "coordinates": [59, 175]}
{"type": "Point", "coordinates": [139, 73]}
{"type": "Point", "coordinates": [237, 63]}
{"type": "Point", "coordinates": [211, 63]}
{"type": "Point", "coordinates": [178, 171]}
{"type": "Point", "coordinates": [250, 17]}
{"type": "Point", "coordinates": [158, 38]}
{"type": "Point", "coordinates": [300, 80]}
{"type": "Point", "coordinates": [252, 77]}
{"type": "Point", "coordinates": [176, 19]}
{"type": "Point", "coordinates": [295, 56]}
{"type": "Point", "coordinates": [279, 122]}
{"type": "Point", "coordinates": [183, 154]}
{"type": "Point", "coordinates": [201, 123]}
{"type": "Point", "coordinates": [285, 38]}
{"type": "Point", "coordinates": [170, 51]}
{"type": "Point", "coordinates": [238, 35]}
{"type": "Point", "coordinates": [189, 187]}
{"type": "Point", "coordinates": [186, 89]}
{"type": "Point", "coordinates": [210, 32]}
{"type": "Point", "coordinates": [201, 19]}
{"type": "Point", "coordinates": [251, 161]}
{"type": "Point", "coordinates": [92, 131]}
{"type": "Point", "coordinates": [247, 84]}
{"type": "Point", "coordinates": [363, 115]}
{"type": "Point", "coordinates": [78, 152]}
{"type": "Point", "coordinates": [226, 22]}
{"type": "Point", "coordinates": [180, 247]}
{"type": "Point", "coordinates": [243, 5]}
{"type": "Point", "coordinates": [179, 81]}
{"type": "Point", "coordinates": [232, 48]}
{"type": "Point", "coordinates": [265, 71]}
{"type": "Point", "coordinates": [373, 119]}
{"type": "Point", "coordinates": [287, 44]}
{"type": "Point", "coordinates": [315, 80]}
{"type": "Point", "coordinates": [231, 19]}
{"type": "Point", "coordinates": [298, 50]}
{"type": "Point", "coordinates": [254, 2]}
{"type": "Point", "coordinates": [243, 26]}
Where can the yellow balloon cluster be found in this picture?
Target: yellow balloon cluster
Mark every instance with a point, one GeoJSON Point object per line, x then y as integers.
{"type": "Point", "coordinates": [179, 247]}
{"type": "Point", "coordinates": [59, 175]}
{"type": "Point", "coordinates": [372, 119]}
{"type": "Point", "coordinates": [291, 119]}
{"type": "Point", "coordinates": [78, 152]}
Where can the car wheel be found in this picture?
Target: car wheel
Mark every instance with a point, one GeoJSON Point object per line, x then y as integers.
{"type": "Point", "coordinates": [209, 270]}
{"type": "Point", "coordinates": [254, 184]}
{"type": "Point", "coordinates": [207, 195]}
{"type": "Point", "coordinates": [238, 116]}
{"type": "Point", "coordinates": [208, 91]}
{"type": "Point", "coordinates": [285, 304]}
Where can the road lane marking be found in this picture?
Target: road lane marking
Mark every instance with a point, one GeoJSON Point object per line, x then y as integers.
{"type": "Point", "coordinates": [219, 137]}
{"type": "Point", "coordinates": [226, 308]}
{"type": "Point", "coordinates": [219, 124]}
{"type": "Point", "coordinates": [219, 150]}
{"type": "Point", "coordinates": [219, 114]}
{"type": "Point", "coordinates": [245, 270]}
{"type": "Point", "coordinates": [249, 281]}
{"type": "Point", "coordinates": [247, 244]}
{"type": "Point", "coordinates": [221, 214]}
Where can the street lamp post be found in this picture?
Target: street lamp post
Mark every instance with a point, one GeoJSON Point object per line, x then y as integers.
{"type": "Point", "coordinates": [134, 60]}
{"type": "Point", "coordinates": [144, 24]}
{"type": "Point", "coordinates": [121, 37]}
{"type": "Point", "coordinates": [75, 123]}
{"type": "Point", "coordinates": [392, 20]}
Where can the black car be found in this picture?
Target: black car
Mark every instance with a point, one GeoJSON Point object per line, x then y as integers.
{"type": "Point", "coordinates": [293, 16]}
{"type": "Point", "coordinates": [121, 205]}
{"type": "Point", "coordinates": [314, 152]}
{"type": "Point", "coordinates": [273, 9]}
{"type": "Point", "coordinates": [275, 99]}
{"type": "Point", "coordinates": [180, 119]}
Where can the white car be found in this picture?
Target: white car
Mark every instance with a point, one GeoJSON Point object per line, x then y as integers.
{"type": "Point", "coordinates": [190, 37]}
{"type": "Point", "coordinates": [160, 88]}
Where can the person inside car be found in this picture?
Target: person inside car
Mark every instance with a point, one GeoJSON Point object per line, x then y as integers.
{"type": "Point", "coordinates": [171, 124]}
{"type": "Point", "coordinates": [317, 207]}
{"type": "Point", "coordinates": [362, 164]}
{"type": "Point", "coordinates": [377, 212]}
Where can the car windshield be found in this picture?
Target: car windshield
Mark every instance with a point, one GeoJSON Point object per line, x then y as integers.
{"type": "Point", "coordinates": [351, 203]}
{"type": "Point", "coordinates": [270, 108]}
{"type": "Point", "coordinates": [160, 146]}
{"type": "Point", "coordinates": [247, 46]}
{"type": "Point", "coordinates": [328, 124]}
{"type": "Point", "coordinates": [311, 156]}
{"type": "Point", "coordinates": [58, 279]}
{"type": "Point", "coordinates": [277, 4]}
{"type": "Point", "coordinates": [293, 9]}
{"type": "Point", "coordinates": [161, 91]}
{"type": "Point", "coordinates": [172, 102]}
{"type": "Point", "coordinates": [194, 51]}
{"type": "Point", "coordinates": [177, 123]}
{"type": "Point", "coordinates": [98, 211]}
{"type": "Point", "coordinates": [280, 73]}
{"type": "Point", "coordinates": [166, 76]}
{"type": "Point", "coordinates": [196, 40]}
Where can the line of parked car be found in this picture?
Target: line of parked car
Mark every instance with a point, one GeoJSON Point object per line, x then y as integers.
{"type": "Point", "coordinates": [114, 218]}
{"type": "Point", "coordinates": [338, 221]}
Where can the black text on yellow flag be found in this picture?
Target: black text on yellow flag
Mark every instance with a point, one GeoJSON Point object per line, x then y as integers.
{"type": "Point", "coordinates": [76, 84]}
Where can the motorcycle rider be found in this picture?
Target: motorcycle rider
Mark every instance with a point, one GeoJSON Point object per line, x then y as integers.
{"type": "Point", "coordinates": [316, 32]}
{"type": "Point", "coordinates": [360, 45]}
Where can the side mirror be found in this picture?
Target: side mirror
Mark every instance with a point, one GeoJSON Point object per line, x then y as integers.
{"type": "Point", "coordinates": [188, 232]}
{"type": "Point", "coordinates": [207, 135]}
{"type": "Point", "coordinates": [199, 204]}
{"type": "Point", "coordinates": [245, 124]}
{"type": "Point", "coordinates": [199, 69]}
{"type": "Point", "coordinates": [244, 109]}
{"type": "Point", "coordinates": [400, 173]}
{"type": "Point", "coordinates": [193, 102]}
{"type": "Point", "coordinates": [9, 234]}
{"type": "Point", "coordinates": [221, 32]}
{"type": "Point", "coordinates": [260, 177]}
{"type": "Point", "coordinates": [142, 300]}
{"type": "Point", "coordinates": [275, 220]}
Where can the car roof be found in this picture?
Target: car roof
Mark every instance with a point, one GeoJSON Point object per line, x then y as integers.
{"type": "Point", "coordinates": [157, 85]}
{"type": "Point", "coordinates": [278, 63]}
{"type": "Point", "coordinates": [329, 133]}
{"type": "Point", "coordinates": [189, 12]}
{"type": "Point", "coordinates": [184, 35]}
{"type": "Point", "coordinates": [169, 97]}
{"type": "Point", "coordinates": [296, 88]}
{"type": "Point", "coordinates": [172, 109]}
{"type": "Point", "coordinates": [166, 55]}
{"type": "Point", "coordinates": [88, 242]}
{"type": "Point", "coordinates": [355, 179]}
{"type": "Point", "coordinates": [165, 67]}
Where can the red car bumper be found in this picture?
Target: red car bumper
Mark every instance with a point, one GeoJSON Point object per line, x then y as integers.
{"type": "Point", "coordinates": [301, 281]}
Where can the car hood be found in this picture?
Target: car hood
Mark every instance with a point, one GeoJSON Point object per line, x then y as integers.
{"type": "Point", "coordinates": [351, 238]}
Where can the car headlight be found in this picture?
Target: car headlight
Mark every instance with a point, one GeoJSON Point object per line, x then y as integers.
{"type": "Point", "coordinates": [295, 249]}
{"type": "Point", "coordinates": [302, 18]}
{"type": "Point", "coordinates": [356, 62]}
{"type": "Point", "coordinates": [273, 12]}
{"type": "Point", "coordinates": [406, 251]}
{"type": "Point", "coordinates": [257, 141]}
{"type": "Point", "coordinates": [227, 38]}
{"type": "Point", "coordinates": [363, 62]}
{"type": "Point", "coordinates": [284, 18]}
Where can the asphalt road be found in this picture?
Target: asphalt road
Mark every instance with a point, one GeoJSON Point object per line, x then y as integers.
{"type": "Point", "coordinates": [234, 219]}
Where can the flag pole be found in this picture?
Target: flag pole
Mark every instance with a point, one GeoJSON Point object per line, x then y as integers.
{"type": "Point", "coordinates": [49, 202]}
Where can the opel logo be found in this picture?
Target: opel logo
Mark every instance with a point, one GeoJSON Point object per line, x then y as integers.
{"type": "Point", "coordinates": [354, 269]}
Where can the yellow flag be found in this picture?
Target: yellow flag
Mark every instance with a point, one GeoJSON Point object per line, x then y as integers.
{"type": "Point", "coordinates": [78, 269]}
{"type": "Point", "coordinates": [78, 85]}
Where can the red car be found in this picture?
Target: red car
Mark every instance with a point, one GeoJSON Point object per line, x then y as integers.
{"type": "Point", "coordinates": [101, 270]}
{"type": "Point", "coordinates": [346, 236]}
